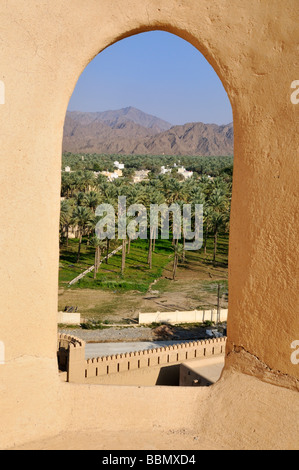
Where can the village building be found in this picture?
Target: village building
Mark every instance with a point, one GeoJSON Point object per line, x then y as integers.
{"type": "Point", "coordinates": [140, 175]}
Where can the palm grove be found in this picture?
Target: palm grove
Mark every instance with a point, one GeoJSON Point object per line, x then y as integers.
{"type": "Point", "coordinates": [82, 190]}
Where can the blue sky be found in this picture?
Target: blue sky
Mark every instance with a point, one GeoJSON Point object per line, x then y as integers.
{"type": "Point", "coordinates": [157, 72]}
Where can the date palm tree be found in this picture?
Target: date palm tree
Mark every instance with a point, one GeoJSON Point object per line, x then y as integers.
{"type": "Point", "coordinates": [219, 215]}
{"type": "Point", "coordinates": [92, 200]}
{"type": "Point", "coordinates": [98, 245]}
{"type": "Point", "coordinates": [148, 196]}
{"type": "Point", "coordinates": [178, 253]}
{"type": "Point", "coordinates": [65, 219]}
{"type": "Point", "coordinates": [207, 226]}
{"type": "Point", "coordinates": [218, 222]}
{"type": "Point", "coordinates": [65, 185]}
{"type": "Point", "coordinates": [82, 217]}
{"type": "Point", "coordinates": [123, 256]}
{"type": "Point", "coordinates": [87, 181]}
{"type": "Point", "coordinates": [80, 198]}
{"type": "Point", "coordinates": [175, 191]}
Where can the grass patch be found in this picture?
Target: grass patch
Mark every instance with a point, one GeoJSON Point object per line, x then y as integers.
{"type": "Point", "coordinates": [94, 325]}
{"type": "Point", "coordinates": [68, 266]}
{"type": "Point", "coordinates": [137, 276]}
{"type": "Point", "coordinates": [67, 326]}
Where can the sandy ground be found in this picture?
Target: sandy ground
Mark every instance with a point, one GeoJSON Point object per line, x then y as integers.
{"type": "Point", "coordinates": [128, 334]}
{"type": "Point", "coordinates": [188, 292]}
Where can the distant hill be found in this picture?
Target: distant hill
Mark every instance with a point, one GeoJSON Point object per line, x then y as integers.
{"type": "Point", "coordinates": [190, 139]}
{"type": "Point", "coordinates": [115, 119]}
{"type": "Point", "coordinates": [131, 131]}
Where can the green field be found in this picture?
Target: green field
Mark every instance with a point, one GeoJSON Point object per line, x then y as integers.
{"type": "Point", "coordinates": [137, 276]}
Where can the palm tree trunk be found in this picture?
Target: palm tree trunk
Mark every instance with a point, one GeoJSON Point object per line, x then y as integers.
{"type": "Point", "coordinates": [99, 258]}
{"type": "Point", "coordinates": [107, 251]}
{"type": "Point", "coordinates": [149, 256]}
{"type": "Point", "coordinates": [175, 261]}
{"type": "Point", "coordinates": [205, 241]}
{"type": "Point", "coordinates": [129, 245]}
{"type": "Point", "coordinates": [67, 237]}
{"type": "Point", "coordinates": [95, 263]}
{"type": "Point", "coordinates": [150, 250]}
{"type": "Point", "coordinates": [123, 258]}
{"type": "Point", "coordinates": [215, 245]}
{"type": "Point", "coordinates": [175, 265]}
{"type": "Point", "coordinates": [79, 247]}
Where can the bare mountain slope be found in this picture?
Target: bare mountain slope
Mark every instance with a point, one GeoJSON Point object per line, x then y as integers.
{"type": "Point", "coordinates": [97, 136]}
{"type": "Point", "coordinates": [130, 131]}
{"type": "Point", "coordinates": [121, 116]}
{"type": "Point", "coordinates": [190, 139]}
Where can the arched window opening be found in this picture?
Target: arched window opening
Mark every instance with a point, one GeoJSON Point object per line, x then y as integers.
{"type": "Point", "coordinates": [149, 125]}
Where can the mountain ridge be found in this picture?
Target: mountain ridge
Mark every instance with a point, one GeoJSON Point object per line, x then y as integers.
{"type": "Point", "coordinates": [131, 131]}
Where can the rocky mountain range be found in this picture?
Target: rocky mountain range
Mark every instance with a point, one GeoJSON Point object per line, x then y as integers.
{"type": "Point", "coordinates": [130, 131]}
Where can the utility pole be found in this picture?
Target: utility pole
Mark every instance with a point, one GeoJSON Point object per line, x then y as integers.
{"type": "Point", "coordinates": [218, 304]}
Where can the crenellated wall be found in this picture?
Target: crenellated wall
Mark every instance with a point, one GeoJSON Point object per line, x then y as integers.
{"type": "Point", "coordinates": [177, 353]}
{"type": "Point", "coordinates": [159, 366]}
{"type": "Point", "coordinates": [71, 357]}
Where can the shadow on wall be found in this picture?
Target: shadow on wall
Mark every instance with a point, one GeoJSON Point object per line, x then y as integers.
{"type": "Point", "coordinates": [169, 375]}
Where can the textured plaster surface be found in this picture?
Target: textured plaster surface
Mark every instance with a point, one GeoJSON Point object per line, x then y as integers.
{"type": "Point", "coordinates": [236, 413]}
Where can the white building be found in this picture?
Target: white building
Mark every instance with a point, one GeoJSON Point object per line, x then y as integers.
{"type": "Point", "coordinates": [185, 173]}
{"type": "Point", "coordinates": [165, 170]}
{"type": "Point", "coordinates": [120, 166]}
{"type": "Point", "coordinates": [112, 176]}
{"type": "Point", "coordinates": [140, 175]}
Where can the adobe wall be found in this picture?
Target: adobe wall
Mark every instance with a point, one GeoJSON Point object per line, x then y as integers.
{"type": "Point", "coordinates": [68, 318]}
{"type": "Point", "coordinates": [157, 366]}
{"type": "Point", "coordinates": [150, 367]}
{"type": "Point", "coordinates": [201, 373]}
{"type": "Point", "coordinates": [45, 46]}
{"type": "Point", "coordinates": [189, 316]}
